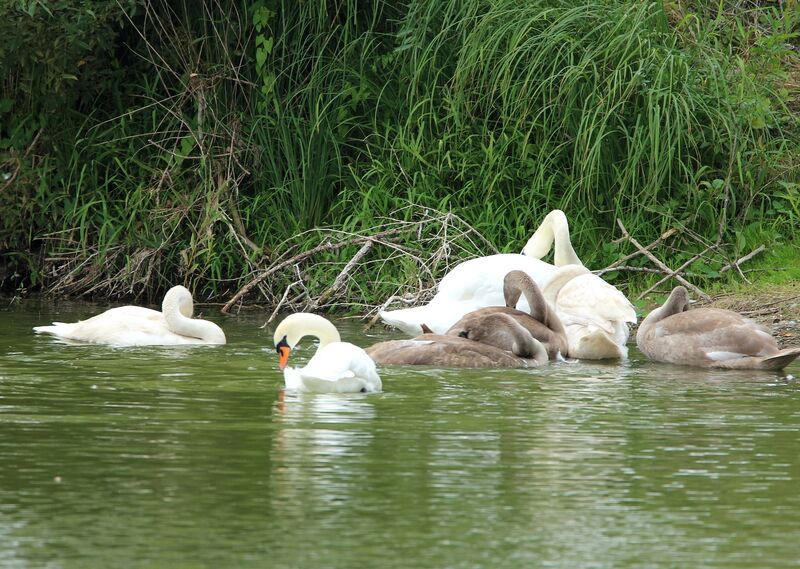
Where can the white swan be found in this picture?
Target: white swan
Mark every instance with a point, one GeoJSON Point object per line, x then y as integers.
{"type": "Point", "coordinates": [336, 367]}
{"type": "Point", "coordinates": [139, 326]}
{"type": "Point", "coordinates": [582, 305]}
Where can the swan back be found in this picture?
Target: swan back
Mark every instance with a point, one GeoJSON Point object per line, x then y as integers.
{"type": "Point", "coordinates": [594, 313]}
{"type": "Point", "coordinates": [450, 351]}
{"type": "Point", "coordinates": [472, 284]}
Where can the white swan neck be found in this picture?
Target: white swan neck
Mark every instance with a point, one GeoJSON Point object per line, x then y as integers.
{"type": "Point", "coordinates": [554, 230]}
{"type": "Point", "coordinates": [178, 308]}
{"type": "Point", "coordinates": [296, 326]}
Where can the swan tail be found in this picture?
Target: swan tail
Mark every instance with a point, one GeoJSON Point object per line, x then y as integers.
{"type": "Point", "coordinates": [596, 345]}
{"type": "Point", "coordinates": [57, 329]}
{"type": "Point", "coordinates": [780, 360]}
{"type": "Point", "coordinates": [775, 362]}
{"type": "Point", "coordinates": [410, 320]}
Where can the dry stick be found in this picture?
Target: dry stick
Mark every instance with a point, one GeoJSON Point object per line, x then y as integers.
{"type": "Point", "coordinates": [747, 257]}
{"type": "Point", "coordinates": [340, 278]}
{"type": "Point", "coordinates": [301, 257]}
{"type": "Point", "coordinates": [647, 270]}
{"type": "Point", "coordinates": [676, 271]}
{"type": "Point", "coordinates": [661, 265]}
{"type": "Point", "coordinates": [280, 302]}
{"type": "Point", "coordinates": [617, 265]}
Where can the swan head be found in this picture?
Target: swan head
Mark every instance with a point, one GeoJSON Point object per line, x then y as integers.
{"type": "Point", "coordinates": [292, 329]}
{"type": "Point", "coordinates": [678, 301]}
{"type": "Point", "coordinates": [178, 297]}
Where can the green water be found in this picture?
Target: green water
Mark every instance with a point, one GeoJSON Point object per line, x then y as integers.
{"type": "Point", "coordinates": [195, 457]}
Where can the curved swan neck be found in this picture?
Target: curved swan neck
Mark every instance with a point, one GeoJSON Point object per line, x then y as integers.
{"type": "Point", "coordinates": [561, 277]}
{"type": "Point", "coordinates": [519, 282]}
{"type": "Point", "coordinates": [295, 326]}
{"type": "Point", "coordinates": [554, 229]}
{"type": "Point", "coordinates": [677, 302]}
{"type": "Point", "coordinates": [178, 308]}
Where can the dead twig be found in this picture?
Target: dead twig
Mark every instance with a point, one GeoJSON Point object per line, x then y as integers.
{"type": "Point", "coordinates": [676, 271]}
{"type": "Point", "coordinates": [281, 302]}
{"type": "Point", "coordinates": [616, 264]}
{"type": "Point", "coordinates": [656, 261]}
{"type": "Point", "coordinates": [324, 247]}
{"type": "Point", "coordinates": [736, 263]}
{"type": "Point", "coordinates": [340, 278]}
{"type": "Point", "coordinates": [406, 298]}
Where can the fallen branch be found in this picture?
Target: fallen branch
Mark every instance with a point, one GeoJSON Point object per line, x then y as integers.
{"type": "Point", "coordinates": [340, 278]}
{"type": "Point", "coordinates": [665, 269]}
{"type": "Point", "coordinates": [616, 264]}
{"type": "Point", "coordinates": [324, 247]}
{"type": "Point", "coordinates": [736, 263]}
{"type": "Point", "coordinates": [676, 271]}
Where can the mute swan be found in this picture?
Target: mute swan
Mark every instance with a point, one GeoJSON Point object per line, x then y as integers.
{"type": "Point", "coordinates": [139, 326]}
{"type": "Point", "coordinates": [594, 313]}
{"type": "Point", "coordinates": [542, 322]}
{"type": "Point", "coordinates": [456, 351]}
{"type": "Point", "coordinates": [708, 337]}
{"type": "Point", "coordinates": [586, 307]}
{"type": "Point", "coordinates": [336, 367]}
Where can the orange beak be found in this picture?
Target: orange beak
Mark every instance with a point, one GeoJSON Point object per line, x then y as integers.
{"type": "Point", "coordinates": [283, 356]}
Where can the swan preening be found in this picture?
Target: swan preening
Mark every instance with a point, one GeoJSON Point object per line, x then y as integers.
{"type": "Point", "coordinates": [336, 367]}
{"type": "Point", "coordinates": [708, 337]}
{"type": "Point", "coordinates": [139, 326]}
{"type": "Point", "coordinates": [459, 351]}
{"type": "Point", "coordinates": [541, 322]}
{"type": "Point", "coordinates": [595, 314]}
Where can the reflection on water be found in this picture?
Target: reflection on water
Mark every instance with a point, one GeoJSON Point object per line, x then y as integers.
{"type": "Point", "coordinates": [195, 456]}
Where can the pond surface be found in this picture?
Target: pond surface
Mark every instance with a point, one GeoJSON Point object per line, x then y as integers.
{"type": "Point", "coordinates": [195, 457]}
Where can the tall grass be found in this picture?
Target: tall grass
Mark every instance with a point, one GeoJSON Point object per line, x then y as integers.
{"type": "Point", "coordinates": [236, 129]}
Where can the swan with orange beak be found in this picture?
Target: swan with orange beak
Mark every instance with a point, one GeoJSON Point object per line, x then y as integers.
{"type": "Point", "coordinates": [336, 367]}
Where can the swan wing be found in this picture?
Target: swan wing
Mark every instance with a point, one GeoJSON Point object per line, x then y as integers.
{"type": "Point", "coordinates": [121, 326]}
{"type": "Point", "coordinates": [591, 297]}
{"type": "Point", "coordinates": [482, 278]}
{"type": "Point", "coordinates": [473, 284]}
{"type": "Point", "coordinates": [340, 367]}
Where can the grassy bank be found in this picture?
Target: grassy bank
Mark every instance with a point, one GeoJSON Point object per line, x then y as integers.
{"type": "Point", "coordinates": [152, 143]}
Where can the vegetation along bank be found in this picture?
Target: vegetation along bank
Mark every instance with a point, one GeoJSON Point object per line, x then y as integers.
{"type": "Point", "coordinates": [331, 154]}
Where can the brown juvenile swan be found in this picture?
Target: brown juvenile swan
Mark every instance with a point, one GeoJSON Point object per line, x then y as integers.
{"type": "Point", "coordinates": [708, 337]}
{"type": "Point", "coordinates": [542, 322]}
{"type": "Point", "coordinates": [455, 351]}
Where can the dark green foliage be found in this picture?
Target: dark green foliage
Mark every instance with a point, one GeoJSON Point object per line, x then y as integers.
{"type": "Point", "coordinates": [149, 142]}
